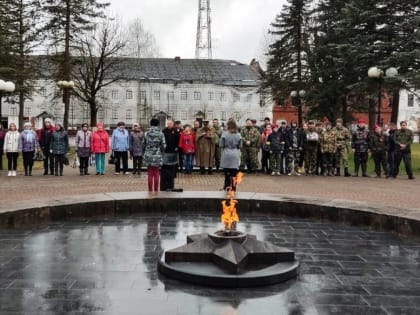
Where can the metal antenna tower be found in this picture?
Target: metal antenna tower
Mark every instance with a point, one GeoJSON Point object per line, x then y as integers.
{"type": "Point", "coordinates": [203, 42]}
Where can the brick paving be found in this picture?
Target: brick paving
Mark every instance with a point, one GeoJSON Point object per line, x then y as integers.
{"type": "Point", "coordinates": [401, 193]}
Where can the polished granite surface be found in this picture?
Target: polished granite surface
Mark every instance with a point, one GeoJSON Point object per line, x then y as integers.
{"type": "Point", "coordinates": [107, 265]}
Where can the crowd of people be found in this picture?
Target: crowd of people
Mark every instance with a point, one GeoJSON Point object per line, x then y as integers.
{"type": "Point", "coordinates": [316, 148]}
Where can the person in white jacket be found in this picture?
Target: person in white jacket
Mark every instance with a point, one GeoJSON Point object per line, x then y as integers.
{"type": "Point", "coordinates": [11, 148]}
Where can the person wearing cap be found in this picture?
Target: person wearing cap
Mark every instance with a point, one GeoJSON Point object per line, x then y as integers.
{"type": "Point", "coordinates": [154, 148]}
{"type": "Point", "coordinates": [360, 146]}
{"type": "Point", "coordinates": [311, 144]}
{"type": "Point", "coordinates": [403, 140]}
{"type": "Point", "coordinates": [343, 148]}
{"type": "Point", "coordinates": [285, 149]}
{"type": "Point", "coordinates": [328, 147]}
{"type": "Point", "coordinates": [170, 157]}
{"type": "Point", "coordinates": [136, 148]}
{"type": "Point", "coordinates": [100, 147]}
{"type": "Point", "coordinates": [391, 149]}
{"type": "Point", "coordinates": [28, 144]}
{"type": "Point", "coordinates": [120, 144]}
{"type": "Point", "coordinates": [44, 138]}
{"type": "Point", "coordinates": [59, 147]}
{"type": "Point", "coordinates": [205, 147]}
{"type": "Point", "coordinates": [250, 147]}
{"type": "Point", "coordinates": [82, 141]}
{"type": "Point", "coordinates": [267, 121]}
{"type": "Point", "coordinates": [2, 135]}
{"type": "Point", "coordinates": [378, 145]}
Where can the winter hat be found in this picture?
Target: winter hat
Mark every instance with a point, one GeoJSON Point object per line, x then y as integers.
{"type": "Point", "coordinates": [361, 121]}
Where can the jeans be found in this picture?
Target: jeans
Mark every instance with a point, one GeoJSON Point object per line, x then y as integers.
{"type": "Point", "coordinates": [188, 163]}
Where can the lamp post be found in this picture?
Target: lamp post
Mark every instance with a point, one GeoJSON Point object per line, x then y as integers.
{"type": "Point", "coordinates": [5, 87]}
{"type": "Point", "coordinates": [378, 74]}
{"type": "Point", "coordinates": [66, 86]}
{"type": "Point", "coordinates": [297, 101]}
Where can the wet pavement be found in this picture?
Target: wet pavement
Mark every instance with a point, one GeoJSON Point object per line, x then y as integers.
{"type": "Point", "coordinates": [107, 265]}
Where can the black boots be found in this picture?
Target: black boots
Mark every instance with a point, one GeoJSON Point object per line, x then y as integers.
{"type": "Point", "coordinates": [337, 171]}
{"type": "Point", "coordinates": [346, 172]}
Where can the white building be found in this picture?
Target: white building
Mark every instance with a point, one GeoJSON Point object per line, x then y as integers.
{"type": "Point", "coordinates": [409, 108]}
{"type": "Point", "coordinates": [182, 89]}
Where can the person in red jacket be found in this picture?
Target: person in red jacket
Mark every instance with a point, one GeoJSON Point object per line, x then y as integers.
{"type": "Point", "coordinates": [187, 145]}
{"type": "Point", "coordinates": [100, 146]}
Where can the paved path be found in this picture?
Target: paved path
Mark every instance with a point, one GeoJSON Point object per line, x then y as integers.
{"type": "Point", "coordinates": [400, 194]}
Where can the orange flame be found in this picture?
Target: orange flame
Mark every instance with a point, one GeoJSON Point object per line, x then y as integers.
{"type": "Point", "coordinates": [230, 216]}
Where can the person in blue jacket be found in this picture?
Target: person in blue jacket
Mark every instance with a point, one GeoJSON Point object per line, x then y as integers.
{"type": "Point", "coordinates": [120, 144]}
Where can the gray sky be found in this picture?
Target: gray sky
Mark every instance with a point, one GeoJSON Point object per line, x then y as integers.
{"type": "Point", "coordinates": [238, 26]}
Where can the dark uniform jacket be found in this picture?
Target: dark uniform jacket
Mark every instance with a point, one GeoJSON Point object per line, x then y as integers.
{"type": "Point", "coordinates": [378, 142]}
{"type": "Point", "coordinates": [294, 138]}
{"type": "Point", "coordinates": [360, 140]}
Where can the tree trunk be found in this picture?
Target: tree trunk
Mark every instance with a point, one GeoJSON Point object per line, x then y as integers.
{"type": "Point", "coordinates": [395, 105]}
{"type": "Point", "coordinates": [93, 112]}
{"type": "Point", "coordinates": [66, 98]}
{"type": "Point", "coordinates": [372, 113]}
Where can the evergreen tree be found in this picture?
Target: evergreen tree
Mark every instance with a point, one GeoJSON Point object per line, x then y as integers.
{"type": "Point", "coordinates": [67, 20]}
{"type": "Point", "coordinates": [288, 67]}
{"type": "Point", "coordinates": [22, 30]}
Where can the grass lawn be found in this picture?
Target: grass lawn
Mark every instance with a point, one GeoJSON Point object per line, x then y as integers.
{"type": "Point", "coordinates": [415, 162]}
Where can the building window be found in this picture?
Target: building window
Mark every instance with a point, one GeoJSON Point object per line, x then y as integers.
{"type": "Point", "coordinates": [223, 96]}
{"type": "Point", "coordinates": [223, 115]}
{"type": "Point", "coordinates": [262, 116]}
{"type": "Point", "coordinates": [101, 114]}
{"type": "Point", "coordinates": [197, 96]}
{"type": "Point", "coordinates": [171, 96]}
{"type": "Point", "coordinates": [57, 112]}
{"type": "Point", "coordinates": [156, 95]}
{"type": "Point", "coordinates": [184, 95]}
{"type": "Point", "coordinates": [129, 115]}
{"type": "Point", "coordinates": [211, 96]}
{"type": "Point", "coordinates": [142, 94]}
{"type": "Point", "coordinates": [101, 93]}
{"type": "Point", "coordinates": [410, 101]}
{"type": "Point", "coordinates": [184, 115]}
{"type": "Point", "coordinates": [209, 115]}
{"type": "Point", "coordinates": [236, 97]}
{"type": "Point", "coordinates": [43, 91]}
{"type": "Point", "coordinates": [27, 111]}
{"type": "Point", "coordinates": [114, 114]}
{"type": "Point", "coordinates": [129, 94]}
{"type": "Point", "coordinates": [237, 116]}
{"type": "Point", "coordinates": [114, 94]}
{"type": "Point", "coordinates": [13, 111]}
{"type": "Point", "coordinates": [249, 98]}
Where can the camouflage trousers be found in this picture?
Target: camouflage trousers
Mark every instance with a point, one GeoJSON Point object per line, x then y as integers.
{"type": "Point", "coordinates": [293, 160]}
{"type": "Point", "coordinates": [311, 159]}
{"type": "Point", "coordinates": [249, 158]}
{"type": "Point", "coordinates": [341, 156]}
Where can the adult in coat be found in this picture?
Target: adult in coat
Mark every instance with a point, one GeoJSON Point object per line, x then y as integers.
{"type": "Point", "coordinates": [206, 147]}
{"type": "Point", "coordinates": [100, 146]}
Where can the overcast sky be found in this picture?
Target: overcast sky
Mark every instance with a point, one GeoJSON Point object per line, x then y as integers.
{"type": "Point", "coordinates": [238, 26]}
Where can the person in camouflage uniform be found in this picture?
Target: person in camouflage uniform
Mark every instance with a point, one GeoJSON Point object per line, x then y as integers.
{"type": "Point", "coordinates": [311, 148]}
{"type": "Point", "coordinates": [217, 154]}
{"type": "Point", "coordinates": [360, 146]}
{"type": "Point", "coordinates": [403, 141]}
{"type": "Point", "coordinates": [294, 142]}
{"type": "Point", "coordinates": [319, 128]}
{"type": "Point", "coordinates": [343, 148]}
{"type": "Point", "coordinates": [378, 145]}
{"type": "Point", "coordinates": [328, 145]}
{"type": "Point", "coordinates": [251, 144]}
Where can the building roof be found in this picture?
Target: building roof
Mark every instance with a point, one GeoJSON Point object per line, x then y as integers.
{"type": "Point", "coordinates": [218, 71]}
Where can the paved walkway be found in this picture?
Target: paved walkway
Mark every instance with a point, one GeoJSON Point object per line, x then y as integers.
{"type": "Point", "coordinates": [399, 195]}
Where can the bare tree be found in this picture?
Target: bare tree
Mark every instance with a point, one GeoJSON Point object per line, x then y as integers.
{"type": "Point", "coordinates": [140, 42]}
{"type": "Point", "coordinates": [98, 64]}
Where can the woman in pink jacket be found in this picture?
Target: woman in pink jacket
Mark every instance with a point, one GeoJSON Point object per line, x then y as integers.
{"type": "Point", "coordinates": [100, 146]}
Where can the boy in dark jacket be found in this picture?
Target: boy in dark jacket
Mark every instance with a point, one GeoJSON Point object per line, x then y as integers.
{"type": "Point", "coordinates": [378, 144]}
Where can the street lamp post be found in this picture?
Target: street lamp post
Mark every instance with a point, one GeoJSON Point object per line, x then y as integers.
{"type": "Point", "coordinates": [378, 74]}
{"type": "Point", "coordinates": [66, 86]}
{"type": "Point", "coordinates": [5, 87]}
{"type": "Point", "coordinates": [297, 101]}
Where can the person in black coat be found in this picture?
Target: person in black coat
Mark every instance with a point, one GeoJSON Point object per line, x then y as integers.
{"type": "Point", "coordinates": [170, 157]}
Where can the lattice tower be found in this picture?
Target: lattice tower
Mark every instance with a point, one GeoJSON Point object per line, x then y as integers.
{"type": "Point", "coordinates": [203, 42]}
